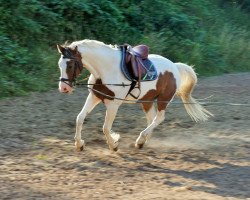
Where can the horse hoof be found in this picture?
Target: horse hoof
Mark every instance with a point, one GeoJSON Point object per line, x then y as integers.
{"type": "Point", "coordinates": [81, 148]}
{"type": "Point", "coordinates": [80, 145]}
{"type": "Point", "coordinates": [115, 149]}
{"type": "Point", "coordinates": [139, 146]}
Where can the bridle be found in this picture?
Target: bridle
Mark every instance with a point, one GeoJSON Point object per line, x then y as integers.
{"type": "Point", "coordinates": [68, 55]}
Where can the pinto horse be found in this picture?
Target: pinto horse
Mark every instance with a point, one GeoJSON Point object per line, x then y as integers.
{"type": "Point", "coordinates": [103, 62]}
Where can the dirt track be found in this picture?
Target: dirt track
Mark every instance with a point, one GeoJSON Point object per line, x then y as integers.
{"type": "Point", "coordinates": [183, 160]}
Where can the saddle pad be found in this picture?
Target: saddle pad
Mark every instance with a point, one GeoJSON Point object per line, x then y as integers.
{"type": "Point", "coordinates": [150, 75]}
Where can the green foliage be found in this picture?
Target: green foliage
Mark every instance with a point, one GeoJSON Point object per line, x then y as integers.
{"type": "Point", "coordinates": [212, 35]}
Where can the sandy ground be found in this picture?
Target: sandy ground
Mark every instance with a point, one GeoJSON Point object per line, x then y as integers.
{"type": "Point", "coordinates": [183, 160]}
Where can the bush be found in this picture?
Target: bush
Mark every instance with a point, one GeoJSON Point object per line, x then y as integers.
{"type": "Point", "coordinates": [212, 35]}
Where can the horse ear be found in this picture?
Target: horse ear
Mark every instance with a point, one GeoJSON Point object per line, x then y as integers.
{"type": "Point", "coordinates": [60, 49]}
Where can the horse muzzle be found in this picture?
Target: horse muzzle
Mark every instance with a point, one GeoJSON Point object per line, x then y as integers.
{"type": "Point", "coordinates": [64, 87]}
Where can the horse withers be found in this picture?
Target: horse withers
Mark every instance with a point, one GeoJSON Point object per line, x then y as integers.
{"type": "Point", "coordinates": [105, 85]}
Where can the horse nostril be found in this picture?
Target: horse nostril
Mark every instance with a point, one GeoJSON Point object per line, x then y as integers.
{"type": "Point", "coordinates": [64, 89]}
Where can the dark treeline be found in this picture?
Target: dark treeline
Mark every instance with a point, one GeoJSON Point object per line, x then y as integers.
{"type": "Point", "coordinates": [212, 35]}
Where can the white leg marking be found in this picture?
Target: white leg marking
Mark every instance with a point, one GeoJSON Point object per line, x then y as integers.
{"type": "Point", "coordinates": [111, 137]}
{"type": "Point", "coordinates": [89, 105]}
{"type": "Point", "coordinates": [150, 115]}
{"type": "Point", "coordinates": [145, 134]}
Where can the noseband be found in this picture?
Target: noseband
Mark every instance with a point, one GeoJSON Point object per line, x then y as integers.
{"type": "Point", "coordinates": [71, 82]}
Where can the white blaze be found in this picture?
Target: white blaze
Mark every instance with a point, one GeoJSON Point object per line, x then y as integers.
{"type": "Point", "coordinates": [63, 87]}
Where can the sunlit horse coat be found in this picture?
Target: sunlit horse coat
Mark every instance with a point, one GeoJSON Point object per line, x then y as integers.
{"type": "Point", "coordinates": [103, 62]}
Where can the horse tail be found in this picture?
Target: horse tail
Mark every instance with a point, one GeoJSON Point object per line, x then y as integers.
{"type": "Point", "coordinates": [188, 80]}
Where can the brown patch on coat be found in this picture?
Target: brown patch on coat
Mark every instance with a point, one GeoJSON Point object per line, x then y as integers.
{"type": "Point", "coordinates": [74, 65]}
{"type": "Point", "coordinates": [103, 90]}
{"type": "Point", "coordinates": [164, 92]}
{"type": "Point", "coordinates": [149, 96]}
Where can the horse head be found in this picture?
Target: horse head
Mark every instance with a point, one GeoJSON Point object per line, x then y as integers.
{"type": "Point", "coordinates": [70, 65]}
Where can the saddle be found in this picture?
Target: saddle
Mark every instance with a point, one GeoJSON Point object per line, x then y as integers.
{"type": "Point", "coordinates": [136, 66]}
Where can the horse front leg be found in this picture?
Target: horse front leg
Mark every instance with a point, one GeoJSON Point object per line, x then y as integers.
{"type": "Point", "coordinates": [89, 105]}
{"type": "Point", "coordinates": [111, 137]}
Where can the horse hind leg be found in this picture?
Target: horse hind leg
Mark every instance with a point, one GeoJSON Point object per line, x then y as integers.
{"type": "Point", "coordinates": [168, 90]}
{"type": "Point", "coordinates": [150, 112]}
{"type": "Point", "coordinates": [146, 134]}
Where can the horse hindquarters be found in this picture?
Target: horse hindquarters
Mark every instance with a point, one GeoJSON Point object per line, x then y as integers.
{"type": "Point", "coordinates": [192, 106]}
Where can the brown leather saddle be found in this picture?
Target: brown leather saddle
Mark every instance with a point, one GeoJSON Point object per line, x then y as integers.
{"type": "Point", "coordinates": [136, 66]}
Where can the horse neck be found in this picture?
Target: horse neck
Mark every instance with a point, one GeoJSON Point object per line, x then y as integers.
{"type": "Point", "coordinates": [102, 62]}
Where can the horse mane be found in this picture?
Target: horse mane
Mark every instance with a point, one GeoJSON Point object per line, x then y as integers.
{"type": "Point", "coordinates": [90, 44]}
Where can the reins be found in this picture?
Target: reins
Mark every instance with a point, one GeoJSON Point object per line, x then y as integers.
{"type": "Point", "coordinates": [204, 103]}
{"type": "Point", "coordinates": [110, 84]}
{"type": "Point", "coordinates": [145, 101]}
